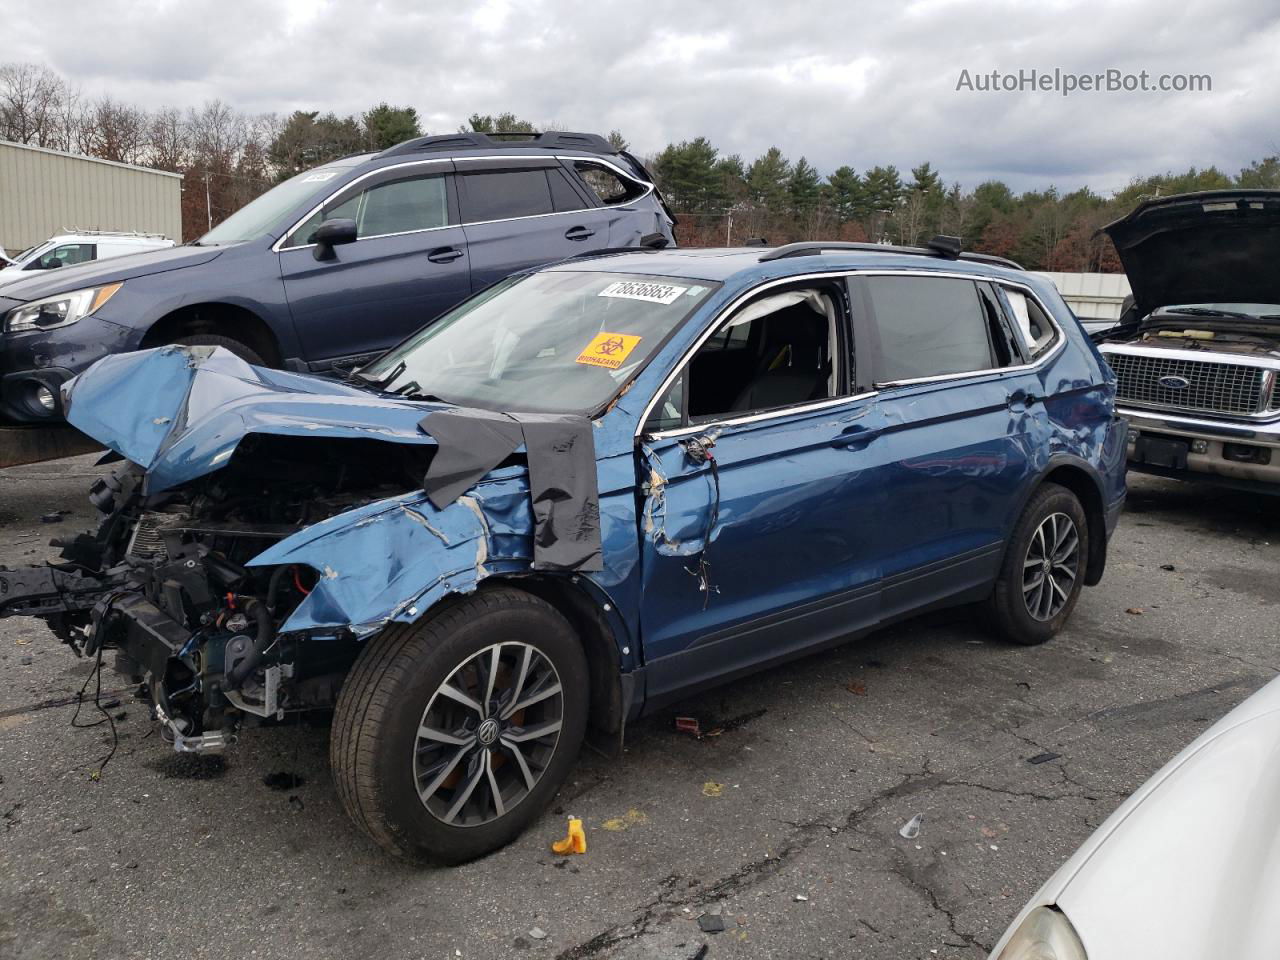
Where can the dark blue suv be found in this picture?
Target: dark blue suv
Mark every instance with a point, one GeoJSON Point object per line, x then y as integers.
{"type": "Point", "coordinates": [585, 492]}
{"type": "Point", "coordinates": [336, 264]}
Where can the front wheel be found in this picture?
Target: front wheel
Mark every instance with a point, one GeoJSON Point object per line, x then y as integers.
{"type": "Point", "coordinates": [453, 734]}
{"type": "Point", "coordinates": [1043, 569]}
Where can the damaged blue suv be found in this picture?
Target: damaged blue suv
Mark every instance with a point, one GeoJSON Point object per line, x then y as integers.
{"type": "Point", "coordinates": [586, 492]}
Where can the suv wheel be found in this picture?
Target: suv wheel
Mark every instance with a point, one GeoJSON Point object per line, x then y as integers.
{"type": "Point", "coordinates": [453, 734]}
{"type": "Point", "coordinates": [1043, 567]}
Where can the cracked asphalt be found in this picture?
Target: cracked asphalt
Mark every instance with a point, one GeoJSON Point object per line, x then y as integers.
{"type": "Point", "coordinates": [786, 823]}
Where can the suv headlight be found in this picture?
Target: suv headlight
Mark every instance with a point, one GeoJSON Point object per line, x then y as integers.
{"type": "Point", "coordinates": [1046, 934]}
{"type": "Point", "coordinates": [61, 310]}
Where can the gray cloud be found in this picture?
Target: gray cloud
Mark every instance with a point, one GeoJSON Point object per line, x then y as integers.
{"type": "Point", "coordinates": [838, 82]}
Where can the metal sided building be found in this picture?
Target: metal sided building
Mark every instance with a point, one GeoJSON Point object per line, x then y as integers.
{"type": "Point", "coordinates": [44, 192]}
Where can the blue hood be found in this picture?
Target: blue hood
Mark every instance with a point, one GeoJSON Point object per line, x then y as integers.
{"type": "Point", "coordinates": [180, 411]}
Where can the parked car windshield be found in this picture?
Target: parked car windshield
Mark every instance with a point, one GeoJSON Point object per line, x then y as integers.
{"type": "Point", "coordinates": [551, 342]}
{"type": "Point", "coordinates": [261, 216]}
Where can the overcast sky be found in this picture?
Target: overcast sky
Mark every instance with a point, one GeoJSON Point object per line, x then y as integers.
{"type": "Point", "coordinates": [837, 82]}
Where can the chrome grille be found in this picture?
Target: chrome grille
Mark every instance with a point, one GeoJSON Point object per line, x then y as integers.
{"type": "Point", "coordinates": [1230, 388]}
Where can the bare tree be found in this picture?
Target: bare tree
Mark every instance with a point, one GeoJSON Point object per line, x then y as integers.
{"type": "Point", "coordinates": [168, 140]}
{"type": "Point", "coordinates": [115, 131]}
{"type": "Point", "coordinates": [31, 98]}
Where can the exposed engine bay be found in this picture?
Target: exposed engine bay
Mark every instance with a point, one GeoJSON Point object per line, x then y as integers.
{"type": "Point", "coordinates": [1176, 331]}
{"type": "Point", "coordinates": [164, 583]}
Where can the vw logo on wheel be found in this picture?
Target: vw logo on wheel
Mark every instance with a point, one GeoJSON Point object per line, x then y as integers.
{"type": "Point", "coordinates": [488, 732]}
{"type": "Point", "coordinates": [1174, 382]}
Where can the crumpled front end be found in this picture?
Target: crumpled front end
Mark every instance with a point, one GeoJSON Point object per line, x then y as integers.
{"type": "Point", "coordinates": [265, 535]}
{"type": "Point", "coordinates": [229, 598]}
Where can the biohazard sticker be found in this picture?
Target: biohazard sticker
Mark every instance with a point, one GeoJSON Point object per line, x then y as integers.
{"type": "Point", "coordinates": [608, 350]}
{"type": "Point", "coordinates": [664, 293]}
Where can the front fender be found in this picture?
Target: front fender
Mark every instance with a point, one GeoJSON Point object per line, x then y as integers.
{"type": "Point", "coordinates": [393, 559]}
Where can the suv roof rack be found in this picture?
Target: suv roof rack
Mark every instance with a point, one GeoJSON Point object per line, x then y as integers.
{"type": "Point", "coordinates": [550, 140]}
{"type": "Point", "coordinates": [947, 248]}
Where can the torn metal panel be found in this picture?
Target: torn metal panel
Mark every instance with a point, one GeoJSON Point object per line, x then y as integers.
{"type": "Point", "coordinates": [181, 411]}
{"type": "Point", "coordinates": [390, 560]}
{"type": "Point", "coordinates": [561, 457]}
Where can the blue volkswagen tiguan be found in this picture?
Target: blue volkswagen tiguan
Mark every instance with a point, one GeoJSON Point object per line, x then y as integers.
{"type": "Point", "coordinates": [583, 493]}
{"type": "Point", "coordinates": [336, 264]}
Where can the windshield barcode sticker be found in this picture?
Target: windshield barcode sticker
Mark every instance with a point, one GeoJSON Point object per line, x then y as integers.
{"type": "Point", "coordinates": [664, 293]}
{"type": "Point", "coordinates": [608, 350]}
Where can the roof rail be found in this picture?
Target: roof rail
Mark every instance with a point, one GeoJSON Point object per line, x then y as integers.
{"type": "Point", "coordinates": [550, 140]}
{"type": "Point", "coordinates": [947, 248]}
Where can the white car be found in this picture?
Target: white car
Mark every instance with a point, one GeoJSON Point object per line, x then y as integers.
{"type": "Point", "coordinates": [1187, 867]}
{"type": "Point", "coordinates": [68, 249]}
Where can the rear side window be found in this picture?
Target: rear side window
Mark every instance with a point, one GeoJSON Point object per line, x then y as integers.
{"type": "Point", "coordinates": [928, 327]}
{"type": "Point", "coordinates": [607, 185]}
{"type": "Point", "coordinates": [503, 194]}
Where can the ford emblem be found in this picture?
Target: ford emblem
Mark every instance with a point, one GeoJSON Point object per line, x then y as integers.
{"type": "Point", "coordinates": [1174, 383]}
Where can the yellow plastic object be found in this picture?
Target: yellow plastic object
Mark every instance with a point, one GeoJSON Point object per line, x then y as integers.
{"type": "Point", "coordinates": [574, 842]}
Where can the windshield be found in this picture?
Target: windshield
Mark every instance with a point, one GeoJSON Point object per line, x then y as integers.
{"type": "Point", "coordinates": [261, 216]}
{"type": "Point", "coordinates": [30, 252]}
{"type": "Point", "coordinates": [552, 342]}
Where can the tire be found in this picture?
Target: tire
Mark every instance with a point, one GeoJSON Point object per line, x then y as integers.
{"type": "Point", "coordinates": [1022, 609]}
{"type": "Point", "coordinates": [380, 760]}
{"type": "Point", "coordinates": [214, 340]}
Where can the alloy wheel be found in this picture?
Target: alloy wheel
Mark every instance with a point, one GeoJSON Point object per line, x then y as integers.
{"type": "Point", "coordinates": [1051, 565]}
{"type": "Point", "coordinates": [488, 734]}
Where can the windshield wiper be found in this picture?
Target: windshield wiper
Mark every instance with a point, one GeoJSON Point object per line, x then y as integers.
{"type": "Point", "coordinates": [1209, 312]}
{"type": "Point", "coordinates": [383, 380]}
{"type": "Point", "coordinates": [417, 394]}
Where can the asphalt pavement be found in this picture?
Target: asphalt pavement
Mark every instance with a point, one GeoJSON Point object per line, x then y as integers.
{"type": "Point", "coordinates": [784, 824]}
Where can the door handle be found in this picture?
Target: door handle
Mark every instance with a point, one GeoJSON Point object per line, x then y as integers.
{"type": "Point", "coordinates": [855, 438]}
{"type": "Point", "coordinates": [1021, 400]}
{"type": "Point", "coordinates": [578, 233]}
{"type": "Point", "coordinates": [444, 255]}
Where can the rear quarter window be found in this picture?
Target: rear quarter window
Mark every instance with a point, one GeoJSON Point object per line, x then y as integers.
{"type": "Point", "coordinates": [1037, 332]}
{"type": "Point", "coordinates": [608, 187]}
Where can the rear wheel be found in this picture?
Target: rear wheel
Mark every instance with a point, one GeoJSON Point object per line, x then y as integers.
{"type": "Point", "coordinates": [1043, 569]}
{"type": "Point", "coordinates": [452, 735]}
{"type": "Point", "coordinates": [245, 353]}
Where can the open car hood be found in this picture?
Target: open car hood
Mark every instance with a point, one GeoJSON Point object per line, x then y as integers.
{"type": "Point", "coordinates": [1219, 246]}
{"type": "Point", "coordinates": [180, 411]}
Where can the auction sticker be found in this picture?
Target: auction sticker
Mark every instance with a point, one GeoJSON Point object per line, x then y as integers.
{"type": "Point", "coordinates": [608, 350]}
{"type": "Point", "coordinates": [664, 293]}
